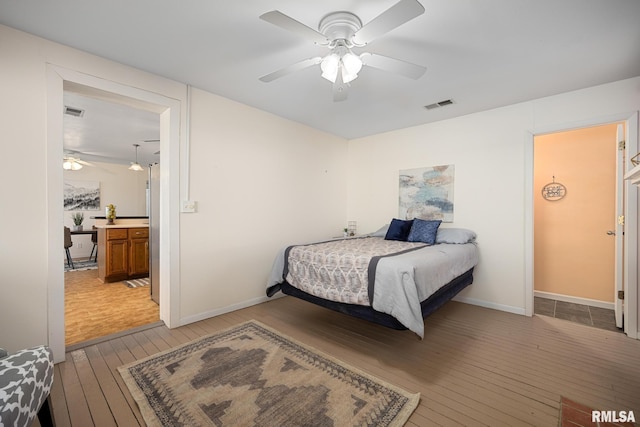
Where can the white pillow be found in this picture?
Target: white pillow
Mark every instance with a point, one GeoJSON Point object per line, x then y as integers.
{"type": "Point", "coordinates": [455, 235]}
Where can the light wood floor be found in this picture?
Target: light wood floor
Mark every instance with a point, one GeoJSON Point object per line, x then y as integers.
{"type": "Point", "coordinates": [94, 309]}
{"type": "Point", "coordinates": [475, 366]}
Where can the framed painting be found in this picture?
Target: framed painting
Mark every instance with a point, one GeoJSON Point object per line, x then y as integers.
{"type": "Point", "coordinates": [427, 193]}
{"type": "Point", "coordinates": [81, 195]}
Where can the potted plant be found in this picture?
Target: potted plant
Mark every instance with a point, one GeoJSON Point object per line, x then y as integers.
{"type": "Point", "coordinates": [78, 218]}
{"type": "Point", "coordinates": [110, 214]}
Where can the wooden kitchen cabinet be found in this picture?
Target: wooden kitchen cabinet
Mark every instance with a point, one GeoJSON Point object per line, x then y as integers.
{"type": "Point", "coordinates": [138, 252]}
{"type": "Point", "coordinates": [123, 253]}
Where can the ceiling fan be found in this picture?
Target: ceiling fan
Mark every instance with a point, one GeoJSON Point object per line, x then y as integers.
{"type": "Point", "coordinates": [73, 158]}
{"type": "Point", "coordinates": [69, 162]}
{"type": "Point", "coordinates": [342, 31]}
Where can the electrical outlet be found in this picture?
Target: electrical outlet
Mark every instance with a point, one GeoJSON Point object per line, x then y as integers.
{"type": "Point", "coordinates": [189, 206]}
{"type": "Point", "coordinates": [79, 245]}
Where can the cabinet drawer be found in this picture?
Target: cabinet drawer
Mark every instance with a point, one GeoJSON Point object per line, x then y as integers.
{"type": "Point", "coordinates": [116, 233]}
{"type": "Point", "coordinates": [138, 233]}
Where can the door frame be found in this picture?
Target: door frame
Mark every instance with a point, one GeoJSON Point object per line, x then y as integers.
{"type": "Point", "coordinates": [59, 78]}
{"type": "Point", "coordinates": [621, 190]}
{"type": "Point", "coordinates": [630, 240]}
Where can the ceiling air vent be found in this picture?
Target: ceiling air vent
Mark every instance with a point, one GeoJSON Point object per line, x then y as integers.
{"type": "Point", "coordinates": [439, 104]}
{"type": "Point", "coordinates": [75, 112]}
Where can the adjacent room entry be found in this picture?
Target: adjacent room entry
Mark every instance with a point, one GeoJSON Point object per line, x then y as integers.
{"type": "Point", "coordinates": [575, 224]}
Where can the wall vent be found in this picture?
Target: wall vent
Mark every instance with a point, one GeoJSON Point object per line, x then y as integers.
{"type": "Point", "coordinates": [72, 111]}
{"type": "Point", "coordinates": [439, 104]}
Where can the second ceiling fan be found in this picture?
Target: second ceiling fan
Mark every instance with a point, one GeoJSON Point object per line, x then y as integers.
{"type": "Point", "coordinates": [342, 31]}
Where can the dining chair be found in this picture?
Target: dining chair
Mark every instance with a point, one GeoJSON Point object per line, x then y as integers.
{"type": "Point", "coordinates": [94, 240]}
{"type": "Point", "coordinates": [67, 244]}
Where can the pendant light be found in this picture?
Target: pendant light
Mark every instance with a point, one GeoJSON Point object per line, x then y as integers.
{"type": "Point", "coordinates": [135, 166]}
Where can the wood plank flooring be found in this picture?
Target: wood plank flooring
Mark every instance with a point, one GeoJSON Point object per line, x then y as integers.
{"type": "Point", "coordinates": [94, 309]}
{"type": "Point", "coordinates": [475, 366]}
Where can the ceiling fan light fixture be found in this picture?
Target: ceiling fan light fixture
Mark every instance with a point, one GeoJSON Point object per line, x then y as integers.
{"type": "Point", "coordinates": [341, 60]}
{"type": "Point", "coordinates": [351, 66]}
{"type": "Point", "coordinates": [71, 165]}
{"type": "Point", "coordinates": [329, 66]}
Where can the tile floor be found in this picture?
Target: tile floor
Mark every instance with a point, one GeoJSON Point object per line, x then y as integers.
{"type": "Point", "coordinates": [597, 317]}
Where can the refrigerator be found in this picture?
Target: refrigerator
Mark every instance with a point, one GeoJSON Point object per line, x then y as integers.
{"type": "Point", "coordinates": [153, 212]}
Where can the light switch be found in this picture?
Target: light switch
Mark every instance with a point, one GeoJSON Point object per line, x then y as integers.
{"type": "Point", "coordinates": [189, 206]}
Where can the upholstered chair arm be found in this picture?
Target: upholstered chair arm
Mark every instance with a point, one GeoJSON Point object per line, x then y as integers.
{"type": "Point", "coordinates": [25, 382]}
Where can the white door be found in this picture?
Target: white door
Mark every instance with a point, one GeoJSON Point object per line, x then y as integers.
{"type": "Point", "coordinates": [619, 221]}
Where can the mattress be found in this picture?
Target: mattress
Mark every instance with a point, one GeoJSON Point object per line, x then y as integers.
{"type": "Point", "coordinates": [391, 277]}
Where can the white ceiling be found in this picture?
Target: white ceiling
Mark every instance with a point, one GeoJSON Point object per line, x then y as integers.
{"type": "Point", "coordinates": [481, 54]}
{"type": "Point", "coordinates": [107, 131]}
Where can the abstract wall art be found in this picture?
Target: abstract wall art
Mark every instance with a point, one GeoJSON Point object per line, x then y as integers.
{"type": "Point", "coordinates": [427, 193]}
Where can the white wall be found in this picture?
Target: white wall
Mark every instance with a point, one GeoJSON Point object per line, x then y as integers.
{"type": "Point", "coordinates": [260, 181]}
{"type": "Point", "coordinates": [120, 186]}
{"type": "Point", "coordinates": [488, 151]}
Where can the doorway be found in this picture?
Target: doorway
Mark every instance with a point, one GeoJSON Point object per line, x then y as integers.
{"type": "Point", "coordinates": [575, 225]}
{"type": "Point", "coordinates": [99, 135]}
{"type": "Point", "coordinates": [58, 80]}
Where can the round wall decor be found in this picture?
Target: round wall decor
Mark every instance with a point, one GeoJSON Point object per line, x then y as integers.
{"type": "Point", "coordinates": [553, 191]}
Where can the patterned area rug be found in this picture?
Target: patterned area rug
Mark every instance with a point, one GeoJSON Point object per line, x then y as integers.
{"type": "Point", "coordinates": [81, 265]}
{"type": "Point", "coordinates": [136, 283]}
{"type": "Point", "coordinates": [250, 375]}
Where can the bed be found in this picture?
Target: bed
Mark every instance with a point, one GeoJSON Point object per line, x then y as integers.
{"type": "Point", "coordinates": [395, 282]}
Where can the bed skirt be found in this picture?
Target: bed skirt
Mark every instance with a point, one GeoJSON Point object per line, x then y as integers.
{"type": "Point", "coordinates": [431, 304]}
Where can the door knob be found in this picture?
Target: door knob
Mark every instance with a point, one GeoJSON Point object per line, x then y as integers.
{"type": "Point", "coordinates": [611, 233]}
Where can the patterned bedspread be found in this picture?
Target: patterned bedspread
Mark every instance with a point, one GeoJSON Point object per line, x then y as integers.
{"type": "Point", "coordinates": [390, 276]}
{"type": "Point", "coordinates": [340, 270]}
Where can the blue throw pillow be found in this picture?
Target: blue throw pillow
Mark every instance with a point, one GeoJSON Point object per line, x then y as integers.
{"type": "Point", "coordinates": [424, 231]}
{"type": "Point", "coordinates": [399, 229]}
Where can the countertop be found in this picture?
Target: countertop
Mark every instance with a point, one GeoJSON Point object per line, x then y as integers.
{"type": "Point", "coordinates": [141, 225]}
{"type": "Point", "coordinates": [121, 217]}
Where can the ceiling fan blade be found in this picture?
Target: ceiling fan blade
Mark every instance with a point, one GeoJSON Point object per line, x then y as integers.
{"type": "Point", "coordinates": [281, 20]}
{"type": "Point", "coordinates": [393, 65]}
{"type": "Point", "coordinates": [339, 88]}
{"type": "Point", "coordinates": [396, 15]}
{"type": "Point", "coordinates": [291, 69]}
{"type": "Point", "coordinates": [82, 162]}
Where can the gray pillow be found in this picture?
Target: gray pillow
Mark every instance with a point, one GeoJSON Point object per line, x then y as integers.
{"type": "Point", "coordinates": [381, 232]}
{"type": "Point", "coordinates": [455, 235]}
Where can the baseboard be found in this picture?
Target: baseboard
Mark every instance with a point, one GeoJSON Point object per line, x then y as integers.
{"type": "Point", "coordinates": [491, 305]}
{"type": "Point", "coordinates": [224, 310]}
{"type": "Point", "coordinates": [239, 306]}
{"type": "Point", "coordinates": [575, 300]}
